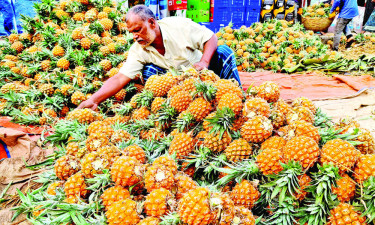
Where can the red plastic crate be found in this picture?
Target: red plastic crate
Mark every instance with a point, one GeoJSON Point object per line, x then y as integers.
{"type": "Point", "coordinates": [177, 4]}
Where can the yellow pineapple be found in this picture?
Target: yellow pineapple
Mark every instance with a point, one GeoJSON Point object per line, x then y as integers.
{"type": "Point", "coordinates": [66, 166]}
{"type": "Point", "coordinates": [256, 129]}
{"type": "Point", "coordinates": [341, 153]}
{"type": "Point", "coordinates": [123, 212]}
{"type": "Point", "coordinates": [245, 194]}
{"type": "Point", "coordinates": [302, 149]}
{"type": "Point", "coordinates": [114, 194]}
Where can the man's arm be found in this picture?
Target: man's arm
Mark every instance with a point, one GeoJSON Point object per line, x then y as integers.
{"type": "Point", "coordinates": [109, 88]}
{"type": "Point", "coordinates": [336, 3]}
{"type": "Point", "coordinates": [208, 51]}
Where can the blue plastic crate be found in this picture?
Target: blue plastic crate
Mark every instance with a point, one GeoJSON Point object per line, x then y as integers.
{"type": "Point", "coordinates": [222, 3]}
{"type": "Point", "coordinates": [252, 14]}
{"type": "Point", "coordinates": [215, 27]}
{"type": "Point", "coordinates": [222, 15]}
{"type": "Point", "coordinates": [238, 15]}
{"type": "Point", "coordinates": [239, 3]}
{"type": "Point", "coordinates": [254, 4]}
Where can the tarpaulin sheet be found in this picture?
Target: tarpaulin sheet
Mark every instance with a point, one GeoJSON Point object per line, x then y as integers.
{"type": "Point", "coordinates": [312, 85]}
{"type": "Point", "coordinates": [5, 122]}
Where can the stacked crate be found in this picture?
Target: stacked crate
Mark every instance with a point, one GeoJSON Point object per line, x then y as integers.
{"type": "Point", "coordinates": [198, 10]}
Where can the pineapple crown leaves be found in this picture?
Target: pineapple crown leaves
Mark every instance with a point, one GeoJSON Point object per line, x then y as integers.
{"type": "Point", "coordinates": [222, 121]}
{"type": "Point", "coordinates": [185, 122]}
{"type": "Point", "coordinates": [96, 28]}
{"type": "Point", "coordinates": [20, 118]}
{"type": "Point", "coordinates": [115, 59]}
{"type": "Point", "coordinates": [123, 109]}
{"type": "Point", "coordinates": [144, 98]}
{"type": "Point", "coordinates": [205, 90]}
{"type": "Point", "coordinates": [166, 115]}
{"type": "Point", "coordinates": [366, 203]}
{"type": "Point", "coordinates": [322, 120]}
{"type": "Point", "coordinates": [75, 7]}
{"type": "Point", "coordinates": [322, 200]}
{"type": "Point", "coordinates": [201, 157]}
{"type": "Point", "coordinates": [284, 213]}
{"type": "Point", "coordinates": [98, 183]}
{"type": "Point", "coordinates": [79, 57]}
{"type": "Point", "coordinates": [66, 41]}
{"type": "Point", "coordinates": [63, 129]}
{"type": "Point", "coordinates": [246, 169]}
{"type": "Point", "coordinates": [130, 88]}
{"type": "Point", "coordinates": [331, 133]}
{"type": "Point", "coordinates": [171, 219]}
{"type": "Point", "coordinates": [285, 183]}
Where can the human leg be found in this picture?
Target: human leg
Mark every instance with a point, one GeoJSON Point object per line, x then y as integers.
{"type": "Point", "coordinates": [340, 27]}
{"type": "Point", "coordinates": [223, 63]}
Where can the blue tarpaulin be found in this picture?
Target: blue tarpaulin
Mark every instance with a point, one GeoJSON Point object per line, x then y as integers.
{"type": "Point", "coordinates": [10, 14]}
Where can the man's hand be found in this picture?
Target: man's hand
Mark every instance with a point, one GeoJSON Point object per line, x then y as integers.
{"type": "Point", "coordinates": [332, 15]}
{"type": "Point", "coordinates": [89, 103]}
{"type": "Point", "coordinates": [200, 66]}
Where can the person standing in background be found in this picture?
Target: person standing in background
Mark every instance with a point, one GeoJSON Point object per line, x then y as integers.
{"type": "Point", "coordinates": [369, 11]}
{"type": "Point", "coordinates": [348, 10]}
{"type": "Point", "coordinates": [9, 15]}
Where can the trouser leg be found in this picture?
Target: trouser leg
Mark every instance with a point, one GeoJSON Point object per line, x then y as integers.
{"type": "Point", "coordinates": [339, 29]}
{"type": "Point", "coordinates": [151, 69]}
{"type": "Point", "coordinates": [223, 63]}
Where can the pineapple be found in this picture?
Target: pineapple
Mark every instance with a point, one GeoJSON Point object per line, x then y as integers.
{"type": "Point", "coordinates": [120, 95]}
{"type": "Point", "coordinates": [256, 107]}
{"type": "Point", "coordinates": [302, 149]}
{"type": "Point", "coordinates": [82, 115]}
{"type": "Point", "coordinates": [158, 203]}
{"type": "Point", "coordinates": [85, 43]}
{"type": "Point", "coordinates": [182, 145]}
{"type": "Point", "coordinates": [238, 150]}
{"type": "Point", "coordinates": [63, 64]}
{"type": "Point", "coordinates": [149, 221]}
{"type": "Point", "coordinates": [227, 86]}
{"type": "Point", "coordinates": [303, 181]}
{"type": "Point", "coordinates": [231, 101]}
{"type": "Point", "coordinates": [110, 152]}
{"type": "Point", "coordinates": [160, 85]}
{"type": "Point", "coordinates": [367, 145]}
{"type": "Point", "coordinates": [141, 114]}
{"type": "Point", "coordinates": [77, 33]}
{"type": "Point", "coordinates": [194, 207]}
{"type": "Point", "coordinates": [256, 129]}
{"type": "Point", "coordinates": [66, 166]}
{"type": "Point", "coordinates": [136, 152]}
{"type": "Point", "coordinates": [104, 50]}
{"type": "Point", "coordinates": [94, 163]}
{"type": "Point", "coordinates": [47, 89]}
{"type": "Point", "coordinates": [96, 141]}
{"type": "Point", "coordinates": [123, 212]}
{"type": "Point", "coordinates": [167, 162]}
{"type": "Point", "coordinates": [105, 64]}
{"type": "Point", "coordinates": [58, 51]}
{"type": "Point", "coordinates": [67, 89]}
{"type": "Point", "coordinates": [245, 194]}
{"type": "Point", "coordinates": [75, 187]}
{"type": "Point", "coordinates": [302, 101]}
{"type": "Point", "coordinates": [183, 185]}
{"type": "Point", "coordinates": [301, 128]}
{"type": "Point", "coordinates": [199, 108]}
{"type": "Point", "coordinates": [269, 91]}
{"type": "Point", "coordinates": [243, 216]}
{"type": "Point", "coordinates": [174, 90]}
{"type": "Point", "coordinates": [18, 46]}
{"type": "Point", "coordinates": [114, 194]}
{"type": "Point", "coordinates": [300, 113]}
{"type": "Point", "coordinates": [78, 16]}
{"type": "Point", "coordinates": [180, 101]}
{"type": "Point", "coordinates": [106, 23]}
{"type": "Point", "coordinates": [51, 189]}
{"type": "Point", "coordinates": [72, 148]}
{"type": "Point", "coordinates": [345, 189]}
{"type": "Point", "coordinates": [269, 159]}
{"type": "Point", "coordinates": [217, 142]}
{"type": "Point", "coordinates": [156, 104]}
{"type": "Point", "coordinates": [341, 153]}
{"type": "Point", "coordinates": [13, 38]}
{"type": "Point", "coordinates": [126, 171]}
{"type": "Point", "coordinates": [345, 214]}
{"type": "Point", "coordinates": [77, 97]}
{"type": "Point", "coordinates": [364, 168]}
{"type": "Point", "coordinates": [274, 142]}
{"type": "Point", "coordinates": [159, 176]}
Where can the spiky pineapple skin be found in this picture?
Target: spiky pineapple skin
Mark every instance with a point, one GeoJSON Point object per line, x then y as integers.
{"type": "Point", "coordinates": [194, 208]}
{"type": "Point", "coordinates": [345, 214]}
{"type": "Point", "coordinates": [181, 145]}
{"type": "Point", "coordinates": [231, 101]}
{"type": "Point", "coordinates": [66, 166]}
{"type": "Point", "coordinates": [364, 168]}
{"type": "Point", "coordinates": [200, 108]}
{"type": "Point", "coordinates": [345, 189]}
{"type": "Point", "coordinates": [114, 194]}
{"type": "Point", "coordinates": [256, 129]}
{"type": "Point", "coordinates": [75, 187]}
{"type": "Point", "coordinates": [94, 163]}
{"type": "Point", "coordinates": [238, 150]}
{"type": "Point", "coordinates": [158, 176]}
{"type": "Point", "coordinates": [126, 171]}
{"type": "Point", "coordinates": [341, 153]}
{"type": "Point", "coordinates": [269, 160]}
{"type": "Point", "coordinates": [123, 212]}
{"type": "Point", "coordinates": [275, 142]}
{"type": "Point", "coordinates": [245, 194]}
{"type": "Point", "coordinates": [181, 101]}
{"type": "Point", "coordinates": [215, 143]}
{"type": "Point", "coordinates": [136, 152]}
{"type": "Point", "coordinates": [302, 149]}
{"type": "Point", "coordinates": [256, 106]}
{"type": "Point", "coordinates": [156, 203]}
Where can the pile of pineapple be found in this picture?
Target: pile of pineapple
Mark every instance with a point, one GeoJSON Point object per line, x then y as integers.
{"type": "Point", "coordinates": [65, 53]}
{"type": "Point", "coordinates": [196, 149]}
{"type": "Point", "coordinates": [274, 45]}
{"type": "Point", "coordinates": [317, 10]}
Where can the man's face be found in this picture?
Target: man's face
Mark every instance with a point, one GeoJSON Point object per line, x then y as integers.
{"type": "Point", "coordinates": [143, 31]}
